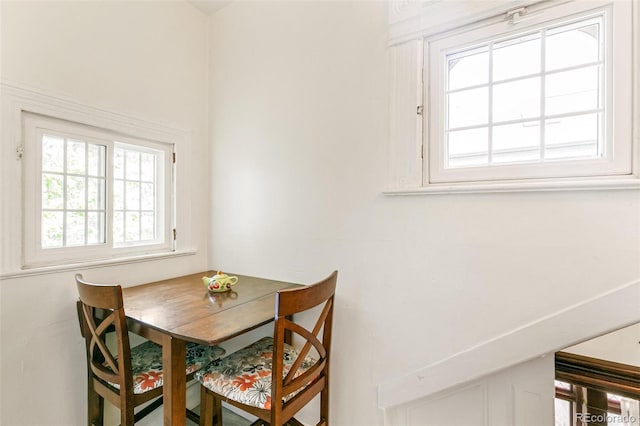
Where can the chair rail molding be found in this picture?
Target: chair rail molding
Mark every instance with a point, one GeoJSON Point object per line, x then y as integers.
{"type": "Point", "coordinates": [544, 336]}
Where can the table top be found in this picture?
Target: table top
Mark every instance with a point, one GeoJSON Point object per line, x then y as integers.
{"type": "Point", "coordinates": [185, 309]}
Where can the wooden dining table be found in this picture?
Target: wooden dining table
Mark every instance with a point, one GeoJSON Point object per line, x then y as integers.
{"type": "Point", "coordinates": [179, 310]}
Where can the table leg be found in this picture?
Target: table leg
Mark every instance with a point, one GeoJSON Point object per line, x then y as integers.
{"type": "Point", "coordinates": [175, 387]}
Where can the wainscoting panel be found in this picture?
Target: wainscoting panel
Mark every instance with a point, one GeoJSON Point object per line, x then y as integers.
{"type": "Point", "coordinates": [529, 406]}
{"type": "Point", "coordinates": [521, 395]}
{"type": "Point", "coordinates": [446, 410]}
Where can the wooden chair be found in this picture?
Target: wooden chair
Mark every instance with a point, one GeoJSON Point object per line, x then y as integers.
{"type": "Point", "coordinates": [127, 377]}
{"type": "Point", "coordinates": [244, 378]}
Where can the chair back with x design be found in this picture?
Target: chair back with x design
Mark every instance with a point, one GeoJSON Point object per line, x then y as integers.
{"type": "Point", "coordinates": [275, 376]}
{"type": "Point", "coordinates": [109, 373]}
{"type": "Point", "coordinates": [304, 382]}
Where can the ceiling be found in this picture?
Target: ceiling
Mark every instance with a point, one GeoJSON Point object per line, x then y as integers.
{"type": "Point", "coordinates": [209, 7]}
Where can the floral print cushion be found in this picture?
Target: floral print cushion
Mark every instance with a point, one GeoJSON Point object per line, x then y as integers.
{"type": "Point", "coordinates": [146, 363]}
{"type": "Point", "coordinates": [245, 375]}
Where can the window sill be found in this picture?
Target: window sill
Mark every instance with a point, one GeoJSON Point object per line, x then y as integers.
{"type": "Point", "coordinates": [520, 186]}
{"type": "Point", "coordinates": [95, 264]}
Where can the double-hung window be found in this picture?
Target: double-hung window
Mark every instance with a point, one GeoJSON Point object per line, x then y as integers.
{"type": "Point", "coordinates": [542, 94]}
{"type": "Point", "coordinates": [98, 194]}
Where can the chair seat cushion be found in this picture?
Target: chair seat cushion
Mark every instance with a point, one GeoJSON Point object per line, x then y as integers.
{"type": "Point", "coordinates": [245, 375]}
{"type": "Point", "coordinates": [146, 363]}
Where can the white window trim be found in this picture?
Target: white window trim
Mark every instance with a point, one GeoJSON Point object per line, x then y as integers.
{"type": "Point", "coordinates": [96, 264]}
{"type": "Point", "coordinates": [164, 208]}
{"type": "Point", "coordinates": [36, 256]}
{"type": "Point", "coordinates": [17, 98]}
{"type": "Point", "coordinates": [406, 177]}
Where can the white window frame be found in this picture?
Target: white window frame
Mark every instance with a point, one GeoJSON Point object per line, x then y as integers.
{"type": "Point", "coordinates": [163, 198]}
{"type": "Point", "coordinates": [617, 132]}
{"type": "Point", "coordinates": [34, 125]}
{"type": "Point", "coordinates": [409, 174]}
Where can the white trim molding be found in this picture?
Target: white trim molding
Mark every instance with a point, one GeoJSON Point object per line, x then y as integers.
{"type": "Point", "coordinates": [544, 336]}
{"type": "Point", "coordinates": [624, 183]}
{"type": "Point", "coordinates": [31, 98]}
{"type": "Point", "coordinates": [405, 72]}
{"type": "Point", "coordinates": [96, 264]}
{"type": "Point", "coordinates": [412, 23]}
{"type": "Point", "coordinates": [16, 99]}
{"type": "Point", "coordinates": [416, 19]}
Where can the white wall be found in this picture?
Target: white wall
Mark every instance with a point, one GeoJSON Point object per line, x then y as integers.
{"type": "Point", "coordinates": [619, 346]}
{"type": "Point", "coordinates": [295, 166]}
{"type": "Point", "coordinates": [298, 140]}
{"type": "Point", "coordinates": [141, 59]}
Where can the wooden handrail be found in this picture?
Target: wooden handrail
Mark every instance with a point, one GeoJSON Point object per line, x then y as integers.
{"type": "Point", "coordinates": [620, 379]}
